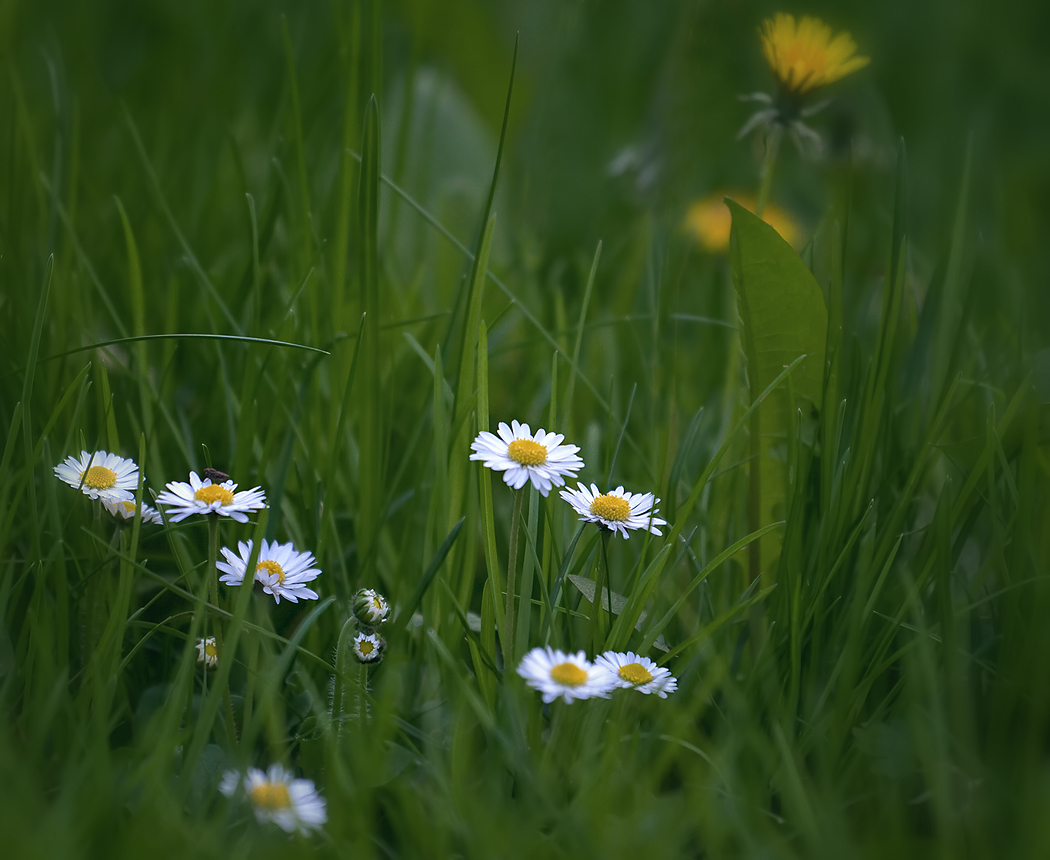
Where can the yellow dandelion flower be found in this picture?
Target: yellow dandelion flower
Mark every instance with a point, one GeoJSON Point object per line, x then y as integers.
{"type": "Point", "coordinates": [804, 55]}
{"type": "Point", "coordinates": [709, 221]}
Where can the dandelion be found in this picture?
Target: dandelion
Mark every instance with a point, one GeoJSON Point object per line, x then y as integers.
{"type": "Point", "coordinates": [368, 647]}
{"type": "Point", "coordinates": [616, 510]}
{"type": "Point", "coordinates": [370, 607]}
{"type": "Point", "coordinates": [292, 804]}
{"type": "Point", "coordinates": [542, 458]}
{"type": "Point", "coordinates": [709, 221]}
{"type": "Point", "coordinates": [204, 497]}
{"type": "Point", "coordinates": [208, 652]}
{"type": "Point", "coordinates": [569, 676]}
{"type": "Point", "coordinates": [100, 475]}
{"type": "Point", "coordinates": [634, 672]}
{"type": "Point", "coordinates": [125, 510]}
{"type": "Point", "coordinates": [280, 570]}
{"type": "Point", "coordinates": [805, 55]}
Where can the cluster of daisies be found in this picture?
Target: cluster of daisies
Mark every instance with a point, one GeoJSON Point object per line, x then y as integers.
{"type": "Point", "coordinates": [280, 571]}
{"type": "Point", "coordinates": [572, 676]}
{"type": "Point", "coordinates": [545, 460]}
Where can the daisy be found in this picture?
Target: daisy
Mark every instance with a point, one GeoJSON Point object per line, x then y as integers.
{"type": "Point", "coordinates": [100, 475]}
{"type": "Point", "coordinates": [204, 497]}
{"type": "Point", "coordinates": [616, 510]}
{"type": "Point", "coordinates": [208, 652]}
{"type": "Point", "coordinates": [570, 676]}
{"type": "Point", "coordinates": [523, 457]}
{"type": "Point", "coordinates": [126, 511]}
{"type": "Point", "coordinates": [291, 804]}
{"type": "Point", "coordinates": [281, 570]}
{"type": "Point", "coordinates": [368, 647]}
{"type": "Point", "coordinates": [638, 673]}
{"type": "Point", "coordinates": [370, 607]}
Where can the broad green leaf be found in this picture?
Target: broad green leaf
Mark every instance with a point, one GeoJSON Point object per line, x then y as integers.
{"type": "Point", "coordinates": [782, 317]}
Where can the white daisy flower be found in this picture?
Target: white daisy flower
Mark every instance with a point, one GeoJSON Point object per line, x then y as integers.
{"type": "Point", "coordinates": [281, 570]}
{"type": "Point", "coordinates": [542, 458]}
{"type": "Point", "coordinates": [370, 607]}
{"type": "Point", "coordinates": [292, 804]}
{"type": "Point", "coordinates": [126, 510]}
{"type": "Point", "coordinates": [368, 647]}
{"type": "Point", "coordinates": [100, 475]}
{"type": "Point", "coordinates": [208, 652]}
{"type": "Point", "coordinates": [570, 676]}
{"type": "Point", "coordinates": [616, 510]}
{"type": "Point", "coordinates": [634, 672]}
{"type": "Point", "coordinates": [204, 497]}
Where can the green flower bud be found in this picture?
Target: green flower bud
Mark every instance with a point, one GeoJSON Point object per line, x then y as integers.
{"type": "Point", "coordinates": [370, 607]}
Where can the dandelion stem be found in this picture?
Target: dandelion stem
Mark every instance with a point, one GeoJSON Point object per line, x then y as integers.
{"type": "Point", "coordinates": [512, 576]}
{"type": "Point", "coordinates": [754, 498]}
{"type": "Point", "coordinates": [769, 163]}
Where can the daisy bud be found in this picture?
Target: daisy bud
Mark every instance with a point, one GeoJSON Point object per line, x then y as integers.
{"type": "Point", "coordinates": [370, 607]}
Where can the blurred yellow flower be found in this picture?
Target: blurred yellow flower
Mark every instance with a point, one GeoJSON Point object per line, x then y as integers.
{"type": "Point", "coordinates": [804, 55]}
{"type": "Point", "coordinates": [709, 221]}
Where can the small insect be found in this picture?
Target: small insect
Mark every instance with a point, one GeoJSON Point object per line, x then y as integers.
{"type": "Point", "coordinates": [215, 475]}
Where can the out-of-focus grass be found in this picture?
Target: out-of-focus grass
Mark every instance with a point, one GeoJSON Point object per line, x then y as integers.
{"type": "Point", "coordinates": [207, 169]}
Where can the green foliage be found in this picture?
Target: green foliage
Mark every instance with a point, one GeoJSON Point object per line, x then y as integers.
{"type": "Point", "coordinates": [321, 252]}
{"type": "Point", "coordinates": [782, 318]}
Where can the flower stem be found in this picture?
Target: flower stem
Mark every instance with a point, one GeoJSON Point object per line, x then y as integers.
{"type": "Point", "coordinates": [213, 558]}
{"type": "Point", "coordinates": [213, 591]}
{"type": "Point", "coordinates": [512, 576]}
{"type": "Point", "coordinates": [599, 624]}
{"type": "Point", "coordinates": [769, 163]}
{"type": "Point", "coordinates": [362, 697]}
{"type": "Point", "coordinates": [754, 499]}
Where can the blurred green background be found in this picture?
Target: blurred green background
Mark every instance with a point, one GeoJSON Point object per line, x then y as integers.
{"type": "Point", "coordinates": [622, 108]}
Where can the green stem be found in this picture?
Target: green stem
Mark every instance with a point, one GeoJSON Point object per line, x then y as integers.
{"type": "Point", "coordinates": [362, 696]}
{"type": "Point", "coordinates": [213, 590]}
{"type": "Point", "coordinates": [211, 573]}
{"type": "Point", "coordinates": [754, 496]}
{"type": "Point", "coordinates": [769, 164]}
{"type": "Point", "coordinates": [599, 621]}
{"type": "Point", "coordinates": [512, 576]}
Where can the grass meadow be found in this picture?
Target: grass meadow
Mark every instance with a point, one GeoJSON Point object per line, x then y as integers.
{"type": "Point", "coordinates": [321, 246]}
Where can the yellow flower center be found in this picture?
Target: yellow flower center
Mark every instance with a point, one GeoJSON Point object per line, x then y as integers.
{"type": "Point", "coordinates": [635, 673]}
{"type": "Point", "coordinates": [366, 647]}
{"type": "Point", "coordinates": [272, 568]}
{"type": "Point", "coordinates": [210, 650]}
{"type": "Point", "coordinates": [100, 478]}
{"type": "Point", "coordinates": [612, 508]}
{"type": "Point", "coordinates": [271, 796]}
{"type": "Point", "coordinates": [377, 604]}
{"type": "Point", "coordinates": [568, 674]}
{"type": "Point", "coordinates": [129, 507]}
{"type": "Point", "coordinates": [210, 493]}
{"type": "Point", "coordinates": [527, 452]}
